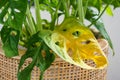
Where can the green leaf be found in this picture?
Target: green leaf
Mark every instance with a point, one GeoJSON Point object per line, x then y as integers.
{"type": "Point", "coordinates": [12, 13]}
{"type": "Point", "coordinates": [41, 57]}
{"type": "Point", "coordinates": [32, 52]}
{"type": "Point", "coordinates": [91, 12]}
{"type": "Point", "coordinates": [94, 3]}
{"type": "Point", "coordinates": [109, 11]}
{"type": "Point", "coordinates": [12, 16]}
{"type": "Point", "coordinates": [53, 3]}
{"type": "Point", "coordinates": [73, 3]}
{"type": "Point", "coordinates": [50, 3]}
{"type": "Point", "coordinates": [45, 59]}
{"type": "Point", "coordinates": [46, 7]}
{"type": "Point", "coordinates": [10, 39]}
{"type": "Point", "coordinates": [115, 3]}
{"type": "Point", "coordinates": [34, 41]}
{"type": "Point", "coordinates": [100, 26]}
{"type": "Point", "coordinates": [3, 14]}
{"type": "Point", "coordinates": [26, 73]}
{"type": "Point", "coordinates": [3, 2]}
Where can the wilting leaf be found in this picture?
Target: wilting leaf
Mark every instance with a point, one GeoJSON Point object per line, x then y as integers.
{"type": "Point", "coordinates": [75, 43]}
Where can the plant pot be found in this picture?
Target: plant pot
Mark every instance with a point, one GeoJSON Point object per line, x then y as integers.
{"type": "Point", "coordinates": [59, 70]}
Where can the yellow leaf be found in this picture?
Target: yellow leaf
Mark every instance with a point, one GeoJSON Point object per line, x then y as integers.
{"type": "Point", "coordinates": [76, 44]}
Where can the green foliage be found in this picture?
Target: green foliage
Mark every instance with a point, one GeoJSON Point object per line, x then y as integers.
{"type": "Point", "coordinates": [12, 12]}
{"type": "Point", "coordinates": [92, 15]}
{"type": "Point", "coordinates": [30, 53]}
{"type": "Point", "coordinates": [115, 3]}
{"type": "Point", "coordinates": [10, 39]}
{"type": "Point", "coordinates": [109, 11]}
{"type": "Point", "coordinates": [100, 26]}
{"type": "Point", "coordinates": [40, 55]}
{"type": "Point", "coordinates": [11, 16]}
{"type": "Point", "coordinates": [21, 28]}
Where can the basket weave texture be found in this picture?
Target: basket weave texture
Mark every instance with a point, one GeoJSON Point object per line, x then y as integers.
{"type": "Point", "coordinates": [59, 70]}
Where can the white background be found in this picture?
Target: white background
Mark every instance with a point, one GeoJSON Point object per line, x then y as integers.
{"type": "Point", "coordinates": [112, 25]}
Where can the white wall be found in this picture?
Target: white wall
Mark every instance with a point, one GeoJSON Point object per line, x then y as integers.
{"type": "Point", "coordinates": [112, 25]}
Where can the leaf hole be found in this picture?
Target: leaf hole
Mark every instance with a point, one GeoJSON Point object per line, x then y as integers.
{"type": "Point", "coordinates": [4, 19]}
{"type": "Point", "coordinates": [12, 17]}
{"type": "Point", "coordinates": [13, 33]}
{"type": "Point", "coordinates": [9, 10]}
{"type": "Point", "coordinates": [64, 30]}
{"type": "Point", "coordinates": [57, 43]}
{"type": "Point", "coordinates": [26, 63]}
{"type": "Point", "coordinates": [16, 10]}
{"type": "Point", "coordinates": [76, 33]}
{"type": "Point", "coordinates": [43, 53]}
{"type": "Point", "coordinates": [85, 42]}
{"type": "Point", "coordinates": [2, 8]}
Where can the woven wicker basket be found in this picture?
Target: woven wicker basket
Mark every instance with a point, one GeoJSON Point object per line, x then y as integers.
{"type": "Point", "coordinates": [59, 70]}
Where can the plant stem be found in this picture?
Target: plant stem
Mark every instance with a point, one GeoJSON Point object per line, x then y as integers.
{"type": "Point", "coordinates": [66, 8]}
{"type": "Point", "coordinates": [100, 14]}
{"type": "Point", "coordinates": [85, 8]}
{"type": "Point", "coordinates": [80, 11]}
{"type": "Point", "coordinates": [27, 27]}
{"type": "Point", "coordinates": [55, 16]}
{"type": "Point", "coordinates": [38, 17]}
{"type": "Point", "coordinates": [30, 21]}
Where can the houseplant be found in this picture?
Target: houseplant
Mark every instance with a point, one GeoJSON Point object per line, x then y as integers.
{"type": "Point", "coordinates": [44, 39]}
